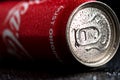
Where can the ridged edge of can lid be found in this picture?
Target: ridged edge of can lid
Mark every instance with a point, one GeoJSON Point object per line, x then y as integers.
{"type": "Point", "coordinates": [115, 21]}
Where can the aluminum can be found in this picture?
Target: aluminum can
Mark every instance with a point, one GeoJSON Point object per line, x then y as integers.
{"type": "Point", "coordinates": [85, 31]}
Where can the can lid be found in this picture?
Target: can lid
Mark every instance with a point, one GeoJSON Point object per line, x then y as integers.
{"type": "Point", "coordinates": [93, 33]}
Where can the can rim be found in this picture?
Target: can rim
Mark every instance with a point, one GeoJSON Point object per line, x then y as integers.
{"type": "Point", "coordinates": [115, 21]}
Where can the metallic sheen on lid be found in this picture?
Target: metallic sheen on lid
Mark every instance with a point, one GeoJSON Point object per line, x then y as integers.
{"type": "Point", "coordinates": [93, 33]}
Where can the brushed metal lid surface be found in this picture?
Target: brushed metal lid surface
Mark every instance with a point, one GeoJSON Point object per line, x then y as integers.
{"type": "Point", "coordinates": [92, 33]}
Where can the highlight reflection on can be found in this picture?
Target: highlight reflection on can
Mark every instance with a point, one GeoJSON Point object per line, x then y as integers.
{"type": "Point", "coordinates": [50, 30]}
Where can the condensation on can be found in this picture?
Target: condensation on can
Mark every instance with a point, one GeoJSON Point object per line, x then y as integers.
{"type": "Point", "coordinates": [37, 30]}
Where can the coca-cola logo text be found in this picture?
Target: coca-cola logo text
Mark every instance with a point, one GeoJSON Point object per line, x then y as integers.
{"type": "Point", "coordinates": [11, 33]}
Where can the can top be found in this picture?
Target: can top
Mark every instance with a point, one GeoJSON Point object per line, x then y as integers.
{"type": "Point", "coordinates": [93, 33]}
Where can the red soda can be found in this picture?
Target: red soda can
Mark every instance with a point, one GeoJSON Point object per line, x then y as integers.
{"type": "Point", "coordinates": [52, 30]}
